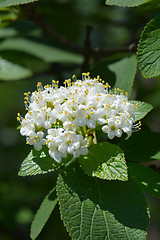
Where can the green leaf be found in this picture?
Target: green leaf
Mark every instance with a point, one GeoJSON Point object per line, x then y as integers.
{"type": "Point", "coordinates": [45, 52]}
{"type": "Point", "coordinates": [156, 156]}
{"type": "Point", "coordinates": [148, 179]}
{"type": "Point", "coordinates": [92, 208]}
{"type": "Point", "coordinates": [43, 213]}
{"type": "Point", "coordinates": [110, 164]}
{"type": "Point", "coordinates": [141, 146]}
{"type": "Point", "coordinates": [38, 162]}
{"type": "Point", "coordinates": [142, 110]}
{"type": "Point", "coordinates": [8, 3]}
{"type": "Point", "coordinates": [12, 71]}
{"type": "Point", "coordinates": [148, 50]}
{"type": "Point", "coordinates": [119, 73]}
{"type": "Point", "coordinates": [126, 3]}
{"type": "Point", "coordinates": [28, 61]}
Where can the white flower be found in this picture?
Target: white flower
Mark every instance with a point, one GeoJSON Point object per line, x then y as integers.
{"type": "Point", "coordinates": [113, 128]}
{"type": "Point", "coordinates": [36, 139]}
{"type": "Point", "coordinates": [62, 142]}
{"type": "Point", "coordinates": [66, 118]}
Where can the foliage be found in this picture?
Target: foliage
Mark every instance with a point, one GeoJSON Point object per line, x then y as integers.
{"type": "Point", "coordinates": [37, 163]}
{"type": "Point", "coordinates": [94, 207]}
{"type": "Point", "coordinates": [148, 49]}
{"type": "Point", "coordinates": [110, 164]}
{"type": "Point", "coordinates": [8, 3]}
{"type": "Point", "coordinates": [126, 3]}
{"type": "Point", "coordinates": [101, 195]}
{"type": "Point", "coordinates": [43, 213]}
{"type": "Point", "coordinates": [120, 73]}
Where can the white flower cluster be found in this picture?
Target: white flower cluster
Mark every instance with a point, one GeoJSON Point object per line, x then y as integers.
{"type": "Point", "coordinates": [66, 118]}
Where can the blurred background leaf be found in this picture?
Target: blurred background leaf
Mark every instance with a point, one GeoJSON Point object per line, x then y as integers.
{"type": "Point", "coordinates": [11, 71]}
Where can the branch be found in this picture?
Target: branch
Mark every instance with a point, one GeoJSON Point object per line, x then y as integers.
{"type": "Point", "coordinates": [87, 50]}
{"type": "Point", "coordinates": [130, 48]}
{"type": "Point", "coordinates": [30, 13]}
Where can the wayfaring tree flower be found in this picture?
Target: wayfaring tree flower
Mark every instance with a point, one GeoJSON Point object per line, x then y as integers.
{"type": "Point", "coordinates": [66, 118]}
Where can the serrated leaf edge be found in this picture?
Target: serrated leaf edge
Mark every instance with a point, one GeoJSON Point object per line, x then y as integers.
{"type": "Point", "coordinates": [17, 4]}
{"type": "Point", "coordinates": [139, 47]}
{"type": "Point", "coordinates": [122, 5]}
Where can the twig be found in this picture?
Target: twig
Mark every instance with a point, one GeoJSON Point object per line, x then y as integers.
{"type": "Point", "coordinates": [29, 11]}
{"type": "Point", "coordinates": [130, 48]}
{"type": "Point", "coordinates": [87, 50]}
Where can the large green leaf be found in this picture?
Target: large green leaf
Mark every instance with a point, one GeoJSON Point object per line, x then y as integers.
{"type": "Point", "coordinates": [12, 71]}
{"type": "Point", "coordinates": [142, 110]}
{"type": "Point", "coordinates": [119, 73]}
{"type": "Point", "coordinates": [109, 164]}
{"type": "Point", "coordinates": [148, 179]}
{"type": "Point", "coordinates": [126, 3]}
{"type": "Point", "coordinates": [141, 146]}
{"type": "Point", "coordinates": [8, 3]}
{"type": "Point", "coordinates": [148, 49]}
{"type": "Point", "coordinates": [40, 50]}
{"type": "Point", "coordinates": [37, 162]}
{"type": "Point", "coordinates": [43, 213]}
{"type": "Point", "coordinates": [95, 209]}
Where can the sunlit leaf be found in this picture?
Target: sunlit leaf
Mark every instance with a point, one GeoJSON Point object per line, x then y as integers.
{"type": "Point", "coordinates": [126, 3]}
{"type": "Point", "coordinates": [8, 3]}
{"type": "Point", "coordinates": [109, 164]}
{"type": "Point", "coordinates": [37, 162]}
